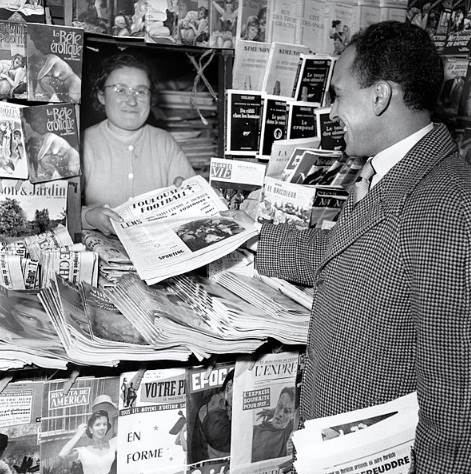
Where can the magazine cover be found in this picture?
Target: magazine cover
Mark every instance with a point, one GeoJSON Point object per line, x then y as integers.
{"type": "Point", "coordinates": [79, 426]}
{"type": "Point", "coordinates": [301, 120]}
{"type": "Point", "coordinates": [51, 141]}
{"type": "Point", "coordinates": [329, 131]}
{"type": "Point", "coordinates": [54, 58]}
{"type": "Point", "coordinates": [311, 28]}
{"type": "Point", "coordinates": [250, 61]}
{"type": "Point", "coordinates": [20, 412]}
{"type": "Point", "coordinates": [285, 203]}
{"type": "Point", "coordinates": [243, 120]}
{"type": "Point", "coordinates": [327, 205]}
{"type": "Point", "coordinates": [339, 25]}
{"type": "Point", "coordinates": [223, 23]}
{"type": "Point", "coordinates": [29, 11]}
{"type": "Point", "coordinates": [235, 179]}
{"type": "Point", "coordinates": [281, 69]}
{"type": "Point", "coordinates": [459, 30]}
{"type": "Point", "coordinates": [274, 123]}
{"type": "Point", "coordinates": [12, 60]}
{"type": "Point", "coordinates": [283, 20]}
{"type": "Point", "coordinates": [152, 422]}
{"type": "Point", "coordinates": [209, 417]}
{"type": "Point", "coordinates": [161, 20]}
{"type": "Point", "coordinates": [93, 17]}
{"type": "Point", "coordinates": [252, 20]}
{"type": "Point", "coordinates": [28, 209]}
{"type": "Point", "coordinates": [13, 163]}
{"type": "Point", "coordinates": [193, 22]}
{"type": "Point", "coordinates": [313, 78]}
{"type": "Point", "coordinates": [264, 398]}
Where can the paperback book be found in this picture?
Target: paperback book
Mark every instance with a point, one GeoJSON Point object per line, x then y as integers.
{"type": "Point", "coordinates": [313, 77]}
{"type": "Point", "coordinates": [51, 140]}
{"type": "Point", "coordinates": [281, 69]}
{"type": "Point", "coordinates": [284, 20]}
{"type": "Point", "coordinates": [274, 123]}
{"type": "Point", "coordinates": [209, 417]}
{"type": "Point", "coordinates": [12, 60]}
{"type": "Point", "coordinates": [243, 121]}
{"type": "Point", "coordinates": [13, 162]}
{"type": "Point", "coordinates": [301, 120]}
{"type": "Point", "coordinates": [54, 57]}
{"type": "Point", "coordinates": [311, 28]}
{"type": "Point", "coordinates": [152, 422]}
{"type": "Point", "coordinates": [27, 209]}
{"type": "Point", "coordinates": [329, 131]}
{"type": "Point", "coordinates": [250, 62]}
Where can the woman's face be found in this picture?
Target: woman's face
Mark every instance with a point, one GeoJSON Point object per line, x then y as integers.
{"type": "Point", "coordinates": [252, 32]}
{"type": "Point", "coordinates": [228, 393]}
{"type": "Point", "coordinates": [99, 427]}
{"type": "Point", "coordinates": [128, 112]}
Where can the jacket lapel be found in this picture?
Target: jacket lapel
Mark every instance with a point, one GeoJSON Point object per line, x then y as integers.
{"type": "Point", "coordinates": [389, 195]}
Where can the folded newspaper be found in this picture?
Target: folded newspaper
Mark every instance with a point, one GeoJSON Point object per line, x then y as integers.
{"type": "Point", "coordinates": [173, 230]}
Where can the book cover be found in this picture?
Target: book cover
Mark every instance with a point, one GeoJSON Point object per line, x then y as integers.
{"type": "Point", "coordinates": [235, 179]}
{"type": "Point", "coordinates": [301, 120]}
{"type": "Point", "coordinates": [311, 28]}
{"type": "Point", "coordinates": [20, 415]}
{"type": "Point", "coordinates": [282, 202]}
{"type": "Point", "coordinates": [252, 20]}
{"type": "Point", "coordinates": [209, 417]}
{"type": "Point", "coordinates": [327, 205]}
{"type": "Point", "coordinates": [264, 399]}
{"type": "Point", "coordinates": [54, 57]}
{"type": "Point", "coordinates": [284, 20]}
{"type": "Point", "coordinates": [13, 162]}
{"type": "Point", "coordinates": [244, 110]}
{"type": "Point", "coordinates": [51, 140]}
{"type": "Point", "coordinates": [250, 62]}
{"type": "Point", "coordinates": [274, 123]}
{"type": "Point", "coordinates": [193, 23]}
{"type": "Point", "coordinates": [330, 131]}
{"type": "Point", "coordinates": [29, 11]}
{"type": "Point", "coordinates": [12, 60]}
{"type": "Point", "coordinates": [459, 30]}
{"type": "Point", "coordinates": [281, 69]}
{"type": "Point", "coordinates": [28, 209]}
{"type": "Point", "coordinates": [340, 24]}
{"type": "Point", "coordinates": [93, 17]}
{"type": "Point", "coordinates": [79, 425]}
{"type": "Point", "coordinates": [313, 78]}
{"type": "Point", "coordinates": [454, 85]}
{"type": "Point", "coordinates": [223, 23]}
{"type": "Point", "coordinates": [160, 24]}
{"type": "Point", "coordinates": [152, 422]}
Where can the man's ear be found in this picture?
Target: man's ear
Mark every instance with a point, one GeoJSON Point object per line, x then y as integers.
{"type": "Point", "coordinates": [382, 94]}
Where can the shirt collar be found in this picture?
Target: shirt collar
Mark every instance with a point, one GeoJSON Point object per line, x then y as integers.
{"type": "Point", "coordinates": [387, 158]}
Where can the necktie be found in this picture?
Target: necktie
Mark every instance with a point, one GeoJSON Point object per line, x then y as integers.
{"type": "Point", "coordinates": [362, 185]}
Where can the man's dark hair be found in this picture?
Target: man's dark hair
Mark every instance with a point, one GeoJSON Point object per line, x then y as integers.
{"type": "Point", "coordinates": [401, 53]}
{"type": "Point", "coordinates": [3, 443]}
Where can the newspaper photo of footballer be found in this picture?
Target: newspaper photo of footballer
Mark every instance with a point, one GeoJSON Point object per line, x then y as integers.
{"type": "Point", "coordinates": [204, 232]}
{"type": "Point", "coordinates": [271, 435]}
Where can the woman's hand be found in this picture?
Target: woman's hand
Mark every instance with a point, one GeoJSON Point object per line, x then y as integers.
{"type": "Point", "coordinates": [100, 218]}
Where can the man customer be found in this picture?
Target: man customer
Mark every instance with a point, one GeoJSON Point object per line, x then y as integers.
{"type": "Point", "coordinates": [392, 301]}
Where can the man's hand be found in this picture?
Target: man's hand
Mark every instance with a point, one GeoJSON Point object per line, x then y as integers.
{"type": "Point", "coordinates": [99, 218]}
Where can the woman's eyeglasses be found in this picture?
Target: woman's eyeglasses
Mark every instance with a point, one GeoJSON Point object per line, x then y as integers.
{"type": "Point", "coordinates": [122, 91]}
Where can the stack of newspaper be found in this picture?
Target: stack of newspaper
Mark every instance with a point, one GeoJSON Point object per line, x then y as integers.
{"type": "Point", "coordinates": [173, 230]}
{"type": "Point", "coordinates": [26, 334]}
{"type": "Point", "coordinates": [93, 331]}
{"type": "Point", "coordinates": [367, 441]}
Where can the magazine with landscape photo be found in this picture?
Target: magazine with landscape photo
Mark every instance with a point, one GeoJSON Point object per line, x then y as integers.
{"type": "Point", "coordinates": [27, 209]}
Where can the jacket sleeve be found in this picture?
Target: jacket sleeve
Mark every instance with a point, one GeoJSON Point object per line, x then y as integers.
{"type": "Point", "coordinates": [437, 255]}
{"type": "Point", "coordinates": [291, 254]}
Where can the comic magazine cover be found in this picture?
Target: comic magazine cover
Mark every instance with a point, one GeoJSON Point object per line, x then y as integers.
{"type": "Point", "coordinates": [264, 402]}
{"type": "Point", "coordinates": [51, 140]}
{"type": "Point", "coordinates": [223, 23]}
{"type": "Point", "coordinates": [193, 22]}
{"type": "Point", "coordinates": [209, 417]}
{"type": "Point", "coordinates": [13, 163]}
{"type": "Point", "coordinates": [12, 60]}
{"type": "Point", "coordinates": [79, 425]}
{"type": "Point", "coordinates": [20, 414]}
{"type": "Point", "coordinates": [152, 422]}
{"type": "Point", "coordinates": [54, 57]}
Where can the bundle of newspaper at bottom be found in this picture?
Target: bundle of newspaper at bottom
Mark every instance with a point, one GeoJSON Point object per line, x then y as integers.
{"type": "Point", "coordinates": [368, 441]}
{"type": "Point", "coordinates": [93, 331]}
{"type": "Point", "coordinates": [173, 230]}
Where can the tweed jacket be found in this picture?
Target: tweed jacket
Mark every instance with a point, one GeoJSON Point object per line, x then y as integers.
{"type": "Point", "coordinates": [392, 302]}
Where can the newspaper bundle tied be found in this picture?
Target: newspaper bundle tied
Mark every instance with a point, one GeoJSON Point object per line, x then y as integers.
{"type": "Point", "coordinates": [173, 230]}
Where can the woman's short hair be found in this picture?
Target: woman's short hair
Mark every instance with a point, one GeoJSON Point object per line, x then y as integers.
{"type": "Point", "coordinates": [93, 417]}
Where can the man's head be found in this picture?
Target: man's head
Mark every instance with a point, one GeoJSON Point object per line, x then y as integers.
{"type": "Point", "coordinates": [389, 70]}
